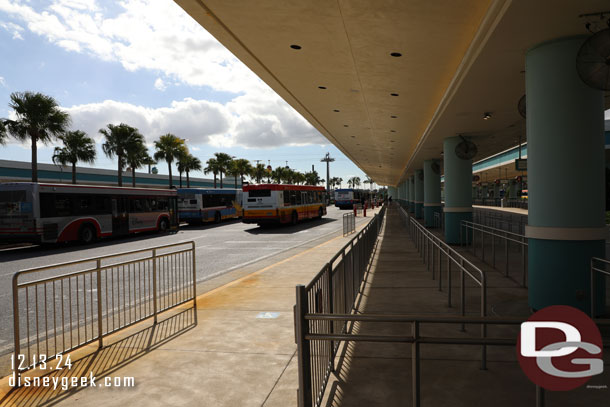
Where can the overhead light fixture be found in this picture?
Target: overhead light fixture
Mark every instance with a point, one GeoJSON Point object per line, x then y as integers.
{"type": "Point", "coordinates": [394, 94]}
{"type": "Point", "coordinates": [321, 87]}
{"type": "Point", "coordinates": [486, 116]}
{"type": "Point", "coordinates": [396, 54]}
{"type": "Point", "coordinates": [295, 46]}
{"type": "Point", "coordinates": [336, 110]}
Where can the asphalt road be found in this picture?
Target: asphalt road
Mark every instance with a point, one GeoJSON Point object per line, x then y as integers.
{"type": "Point", "coordinates": [219, 249]}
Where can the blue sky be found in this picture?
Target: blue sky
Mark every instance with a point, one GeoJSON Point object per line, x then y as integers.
{"type": "Point", "coordinates": [148, 64]}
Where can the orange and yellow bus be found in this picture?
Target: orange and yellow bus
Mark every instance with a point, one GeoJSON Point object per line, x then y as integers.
{"type": "Point", "coordinates": [279, 203]}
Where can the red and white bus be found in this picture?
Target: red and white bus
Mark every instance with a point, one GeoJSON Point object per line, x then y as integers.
{"type": "Point", "coordinates": [279, 203]}
{"type": "Point", "coordinates": [51, 213]}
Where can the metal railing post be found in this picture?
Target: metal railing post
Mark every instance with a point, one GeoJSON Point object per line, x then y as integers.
{"type": "Point", "coordinates": [154, 279]}
{"type": "Point", "coordinates": [303, 352]}
{"type": "Point", "coordinates": [415, 365]}
{"type": "Point", "coordinates": [16, 333]}
{"type": "Point", "coordinates": [194, 284]}
{"type": "Point", "coordinates": [449, 279]}
{"type": "Point", "coordinates": [462, 293]}
{"type": "Point", "coordinates": [98, 267]}
{"type": "Point", "coordinates": [591, 271]}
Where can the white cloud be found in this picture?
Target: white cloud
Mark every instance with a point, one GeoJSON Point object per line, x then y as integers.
{"type": "Point", "coordinates": [158, 36]}
{"type": "Point", "coordinates": [2, 82]}
{"type": "Point", "coordinates": [160, 85]}
{"type": "Point", "coordinates": [12, 28]}
{"type": "Point", "coordinates": [200, 121]}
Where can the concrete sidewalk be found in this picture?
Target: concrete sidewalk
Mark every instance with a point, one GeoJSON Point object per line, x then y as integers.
{"type": "Point", "coordinates": [240, 352]}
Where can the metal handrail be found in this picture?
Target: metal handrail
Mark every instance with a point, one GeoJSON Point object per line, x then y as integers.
{"type": "Point", "coordinates": [415, 339]}
{"type": "Point", "coordinates": [426, 243]}
{"type": "Point", "coordinates": [470, 238]}
{"type": "Point", "coordinates": [126, 292]}
{"type": "Point", "coordinates": [349, 223]}
{"type": "Point", "coordinates": [594, 270]}
{"type": "Point", "coordinates": [334, 289]}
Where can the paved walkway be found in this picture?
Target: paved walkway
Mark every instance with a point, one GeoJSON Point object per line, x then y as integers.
{"type": "Point", "coordinates": [241, 351]}
{"type": "Point", "coordinates": [379, 374]}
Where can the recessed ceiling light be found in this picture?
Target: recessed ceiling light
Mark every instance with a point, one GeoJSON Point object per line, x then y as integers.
{"type": "Point", "coordinates": [392, 141]}
{"type": "Point", "coordinates": [486, 116]}
{"type": "Point", "coordinates": [295, 46]}
{"type": "Point", "coordinates": [353, 136]}
{"type": "Point", "coordinates": [336, 110]}
{"type": "Point", "coordinates": [392, 131]}
{"type": "Point", "coordinates": [321, 87]}
{"type": "Point", "coordinates": [396, 54]}
{"type": "Point", "coordinates": [345, 125]}
{"type": "Point", "coordinates": [393, 117]}
{"type": "Point", "coordinates": [394, 94]}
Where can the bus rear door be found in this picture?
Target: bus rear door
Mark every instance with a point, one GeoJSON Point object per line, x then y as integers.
{"type": "Point", "coordinates": [120, 216]}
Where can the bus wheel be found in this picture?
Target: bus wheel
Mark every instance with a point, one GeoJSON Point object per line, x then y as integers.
{"type": "Point", "coordinates": [163, 225]}
{"type": "Point", "coordinates": [320, 213]}
{"type": "Point", "coordinates": [295, 218]}
{"type": "Point", "coordinates": [87, 234]}
{"type": "Point", "coordinates": [217, 217]}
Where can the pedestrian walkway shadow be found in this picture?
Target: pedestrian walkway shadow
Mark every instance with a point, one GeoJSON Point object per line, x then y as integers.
{"type": "Point", "coordinates": [101, 363]}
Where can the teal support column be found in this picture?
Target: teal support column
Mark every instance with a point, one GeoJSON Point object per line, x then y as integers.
{"type": "Point", "coordinates": [419, 194]}
{"type": "Point", "coordinates": [392, 193]}
{"type": "Point", "coordinates": [412, 194]}
{"type": "Point", "coordinates": [565, 146]}
{"type": "Point", "coordinates": [405, 190]}
{"type": "Point", "coordinates": [458, 197]}
{"type": "Point", "coordinates": [432, 191]}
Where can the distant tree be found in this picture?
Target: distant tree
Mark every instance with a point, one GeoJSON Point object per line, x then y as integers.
{"type": "Point", "coordinates": [3, 134]}
{"type": "Point", "coordinates": [77, 147]}
{"type": "Point", "coordinates": [169, 148]}
{"type": "Point", "coordinates": [279, 174]}
{"type": "Point", "coordinates": [353, 182]}
{"type": "Point", "coordinates": [258, 172]}
{"type": "Point", "coordinates": [224, 164]}
{"type": "Point", "coordinates": [120, 139]}
{"type": "Point", "coordinates": [137, 155]}
{"type": "Point", "coordinates": [241, 167]}
{"type": "Point", "coordinates": [150, 161]}
{"type": "Point", "coordinates": [299, 177]}
{"type": "Point", "coordinates": [212, 166]}
{"type": "Point", "coordinates": [289, 177]}
{"type": "Point", "coordinates": [38, 119]}
{"type": "Point", "coordinates": [369, 180]}
{"type": "Point", "coordinates": [187, 164]}
{"type": "Point", "coordinates": [312, 178]}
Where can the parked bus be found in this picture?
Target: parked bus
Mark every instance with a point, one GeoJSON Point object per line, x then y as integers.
{"type": "Point", "coordinates": [346, 198]}
{"type": "Point", "coordinates": [196, 205]}
{"type": "Point", "coordinates": [51, 213]}
{"type": "Point", "coordinates": [278, 203]}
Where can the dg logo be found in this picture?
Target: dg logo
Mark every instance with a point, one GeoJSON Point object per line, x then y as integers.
{"type": "Point", "coordinates": [560, 348]}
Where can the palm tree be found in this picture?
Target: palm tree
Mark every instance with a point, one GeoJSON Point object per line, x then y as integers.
{"type": "Point", "coordinates": [369, 180]}
{"type": "Point", "coordinates": [312, 178]}
{"type": "Point", "coordinates": [279, 174]}
{"type": "Point", "coordinates": [77, 147]}
{"type": "Point", "coordinates": [2, 132]}
{"type": "Point", "coordinates": [211, 166]}
{"type": "Point", "coordinates": [149, 161]}
{"type": "Point", "coordinates": [38, 119]}
{"type": "Point", "coordinates": [182, 156]}
{"type": "Point", "coordinates": [258, 172]}
{"type": "Point", "coordinates": [187, 164]}
{"type": "Point", "coordinates": [169, 148]}
{"type": "Point", "coordinates": [354, 182]}
{"type": "Point", "coordinates": [223, 161]}
{"type": "Point", "coordinates": [299, 177]}
{"type": "Point", "coordinates": [242, 167]}
{"type": "Point", "coordinates": [137, 155]}
{"type": "Point", "coordinates": [119, 141]}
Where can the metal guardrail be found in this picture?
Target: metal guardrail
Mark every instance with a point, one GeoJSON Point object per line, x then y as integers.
{"type": "Point", "coordinates": [471, 230]}
{"type": "Point", "coordinates": [597, 266]}
{"type": "Point", "coordinates": [511, 222]}
{"type": "Point", "coordinates": [92, 298]}
{"type": "Point", "coordinates": [349, 223]}
{"type": "Point", "coordinates": [416, 339]}
{"type": "Point", "coordinates": [439, 220]}
{"type": "Point", "coordinates": [333, 290]}
{"type": "Point", "coordinates": [429, 246]}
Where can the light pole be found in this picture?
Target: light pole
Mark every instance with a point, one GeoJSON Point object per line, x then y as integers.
{"type": "Point", "coordinates": [327, 159]}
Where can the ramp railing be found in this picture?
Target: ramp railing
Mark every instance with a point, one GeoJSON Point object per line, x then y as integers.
{"type": "Point", "coordinates": [334, 289]}
{"type": "Point", "coordinates": [62, 307]}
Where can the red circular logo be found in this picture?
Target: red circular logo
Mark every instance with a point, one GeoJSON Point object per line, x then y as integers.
{"type": "Point", "coordinates": [560, 348]}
